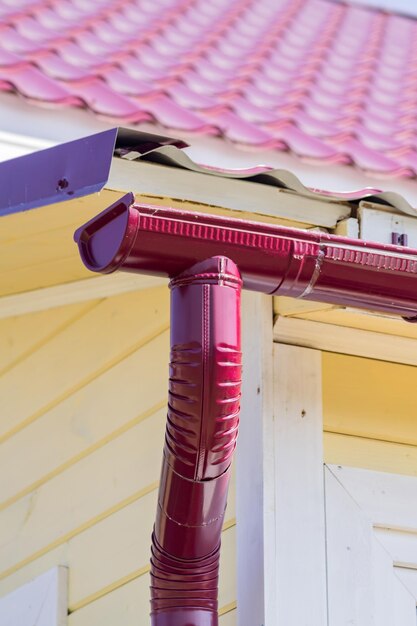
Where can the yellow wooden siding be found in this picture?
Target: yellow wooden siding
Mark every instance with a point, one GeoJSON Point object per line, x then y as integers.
{"type": "Point", "coordinates": [370, 454]}
{"type": "Point", "coordinates": [345, 317]}
{"type": "Point", "coordinates": [38, 248]}
{"type": "Point", "coordinates": [83, 351]}
{"type": "Point", "coordinates": [369, 413]}
{"type": "Point", "coordinates": [82, 432]}
{"type": "Point", "coordinates": [351, 318]}
{"type": "Point", "coordinates": [19, 336]}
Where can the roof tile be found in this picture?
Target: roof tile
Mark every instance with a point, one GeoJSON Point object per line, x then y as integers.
{"type": "Point", "coordinates": [333, 83]}
{"type": "Point", "coordinates": [34, 85]}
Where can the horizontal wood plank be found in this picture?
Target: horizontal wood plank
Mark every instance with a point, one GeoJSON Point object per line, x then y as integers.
{"type": "Point", "coordinates": [229, 617]}
{"type": "Point", "coordinates": [362, 320]}
{"type": "Point", "coordinates": [119, 544]}
{"type": "Point", "coordinates": [300, 308]}
{"type": "Point", "coordinates": [74, 292]}
{"type": "Point", "coordinates": [107, 480]}
{"type": "Point", "coordinates": [121, 548]}
{"type": "Point", "coordinates": [29, 264]}
{"type": "Point", "coordinates": [113, 550]}
{"type": "Point", "coordinates": [49, 219]}
{"type": "Point", "coordinates": [241, 195]}
{"type": "Point", "coordinates": [21, 335]}
{"type": "Point", "coordinates": [100, 338]}
{"type": "Point", "coordinates": [56, 244]}
{"type": "Point", "coordinates": [93, 488]}
{"type": "Point", "coordinates": [369, 398]}
{"type": "Point", "coordinates": [42, 275]}
{"type": "Point", "coordinates": [332, 338]}
{"type": "Point", "coordinates": [86, 420]}
{"type": "Point", "coordinates": [383, 456]}
{"type": "Point", "coordinates": [402, 546]}
{"type": "Point", "coordinates": [388, 500]}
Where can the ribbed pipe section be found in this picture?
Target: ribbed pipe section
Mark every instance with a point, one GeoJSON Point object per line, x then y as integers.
{"type": "Point", "coordinates": [201, 432]}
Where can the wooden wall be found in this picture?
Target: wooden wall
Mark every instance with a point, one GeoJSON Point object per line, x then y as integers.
{"type": "Point", "coordinates": [82, 420]}
{"type": "Point", "coordinates": [370, 413]}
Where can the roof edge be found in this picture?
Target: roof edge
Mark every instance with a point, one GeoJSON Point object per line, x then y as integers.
{"type": "Point", "coordinates": [56, 174]}
{"type": "Point", "coordinates": [82, 167]}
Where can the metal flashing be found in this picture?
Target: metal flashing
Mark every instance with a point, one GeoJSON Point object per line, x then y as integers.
{"type": "Point", "coordinates": [56, 174]}
{"type": "Point", "coordinates": [82, 167]}
{"type": "Point", "coordinates": [70, 170]}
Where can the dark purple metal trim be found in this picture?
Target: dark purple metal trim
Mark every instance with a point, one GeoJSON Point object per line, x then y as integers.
{"type": "Point", "coordinates": [70, 170]}
{"type": "Point", "coordinates": [67, 171]}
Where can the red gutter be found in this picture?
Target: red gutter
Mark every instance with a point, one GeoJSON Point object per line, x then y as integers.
{"type": "Point", "coordinates": [205, 370]}
{"type": "Point", "coordinates": [272, 259]}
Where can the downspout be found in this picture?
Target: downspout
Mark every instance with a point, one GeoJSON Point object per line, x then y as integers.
{"type": "Point", "coordinates": [201, 432]}
{"type": "Point", "coordinates": [204, 388]}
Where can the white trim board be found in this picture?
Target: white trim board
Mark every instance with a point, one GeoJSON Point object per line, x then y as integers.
{"type": "Point", "coordinates": [385, 508]}
{"type": "Point", "coordinates": [239, 195]}
{"type": "Point", "coordinates": [77, 291]}
{"type": "Point", "coordinates": [279, 480]}
{"type": "Point", "coordinates": [41, 602]}
{"type": "Point", "coordinates": [255, 512]}
{"type": "Point", "coordinates": [356, 342]}
{"type": "Point", "coordinates": [363, 586]}
{"type": "Point", "coordinates": [297, 475]}
{"type": "Point", "coordinates": [388, 500]}
{"type": "Point", "coordinates": [377, 225]}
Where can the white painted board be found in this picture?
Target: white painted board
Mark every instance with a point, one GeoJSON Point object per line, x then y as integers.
{"type": "Point", "coordinates": [299, 493]}
{"type": "Point", "coordinates": [41, 602]}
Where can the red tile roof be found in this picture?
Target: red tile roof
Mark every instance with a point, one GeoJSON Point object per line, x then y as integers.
{"type": "Point", "coordinates": [330, 82]}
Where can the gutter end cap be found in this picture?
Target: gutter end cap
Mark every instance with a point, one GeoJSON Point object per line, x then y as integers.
{"type": "Point", "coordinates": [105, 240]}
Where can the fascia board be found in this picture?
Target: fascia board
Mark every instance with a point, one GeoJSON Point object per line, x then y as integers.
{"type": "Point", "coordinates": [246, 196]}
{"type": "Point", "coordinates": [106, 161]}
{"type": "Point", "coordinates": [132, 161]}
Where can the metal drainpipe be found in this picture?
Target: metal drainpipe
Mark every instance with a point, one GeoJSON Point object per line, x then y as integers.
{"type": "Point", "coordinates": [205, 356]}
{"type": "Point", "coordinates": [201, 432]}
